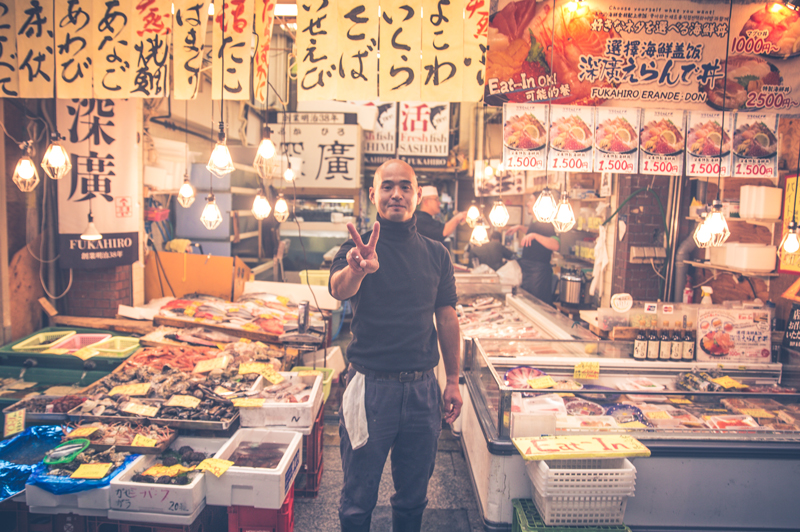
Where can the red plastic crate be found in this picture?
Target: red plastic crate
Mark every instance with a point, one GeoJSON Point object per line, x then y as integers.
{"type": "Point", "coordinates": [102, 524]}
{"type": "Point", "coordinates": [249, 519]}
{"type": "Point", "coordinates": [312, 445]}
{"type": "Point", "coordinates": [307, 484]}
{"type": "Point", "coordinates": [14, 516]}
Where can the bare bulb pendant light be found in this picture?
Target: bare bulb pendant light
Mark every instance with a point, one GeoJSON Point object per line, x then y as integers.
{"type": "Point", "coordinates": [220, 163]}
{"type": "Point", "coordinates": [264, 163]}
{"type": "Point", "coordinates": [261, 208]}
{"type": "Point", "coordinates": [186, 194]}
{"type": "Point", "coordinates": [499, 216]}
{"type": "Point", "coordinates": [281, 209]}
{"type": "Point", "coordinates": [473, 215]}
{"type": "Point", "coordinates": [701, 235]}
{"type": "Point", "coordinates": [480, 235]}
{"type": "Point", "coordinates": [91, 232]}
{"type": "Point", "coordinates": [56, 161]}
{"type": "Point", "coordinates": [717, 226]}
{"type": "Point", "coordinates": [211, 217]}
{"type": "Point", "coordinates": [790, 243]}
{"type": "Point", "coordinates": [288, 175]}
{"type": "Point", "coordinates": [545, 206]}
{"type": "Point", "coordinates": [564, 218]}
{"type": "Point", "coordinates": [26, 177]}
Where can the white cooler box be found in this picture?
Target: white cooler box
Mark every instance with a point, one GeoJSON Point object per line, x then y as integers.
{"type": "Point", "coordinates": [753, 257]}
{"type": "Point", "coordinates": [255, 486]}
{"type": "Point", "coordinates": [157, 518]}
{"type": "Point", "coordinates": [135, 497]}
{"type": "Point", "coordinates": [56, 510]}
{"type": "Point", "coordinates": [289, 415]}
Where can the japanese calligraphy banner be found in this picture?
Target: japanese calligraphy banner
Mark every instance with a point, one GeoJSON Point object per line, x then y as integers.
{"type": "Point", "coordinates": [380, 144]}
{"type": "Point", "coordinates": [112, 34]}
{"type": "Point", "coordinates": [476, 35]}
{"type": "Point", "coordinates": [442, 50]}
{"type": "Point", "coordinates": [232, 36]}
{"type": "Point", "coordinates": [400, 42]}
{"type": "Point", "coordinates": [105, 179]}
{"type": "Point", "coordinates": [424, 133]}
{"type": "Point", "coordinates": [358, 50]}
{"type": "Point", "coordinates": [151, 21]}
{"type": "Point", "coordinates": [316, 47]}
{"type": "Point", "coordinates": [9, 80]}
{"type": "Point", "coordinates": [265, 11]}
{"type": "Point", "coordinates": [329, 147]}
{"type": "Point", "coordinates": [74, 48]}
{"type": "Point", "coordinates": [630, 53]}
{"type": "Point", "coordinates": [35, 53]}
{"type": "Point", "coordinates": [789, 263]}
{"type": "Point", "coordinates": [188, 35]}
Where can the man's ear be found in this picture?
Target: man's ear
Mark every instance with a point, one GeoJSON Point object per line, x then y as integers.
{"type": "Point", "coordinates": [419, 195]}
{"type": "Point", "coordinates": [372, 195]}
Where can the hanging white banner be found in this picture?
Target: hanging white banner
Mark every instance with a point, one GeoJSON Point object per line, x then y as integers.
{"type": "Point", "coordinates": [265, 11]}
{"type": "Point", "coordinates": [188, 36]}
{"type": "Point", "coordinates": [442, 51]}
{"type": "Point", "coordinates": [112, 34]}
{"type": "Point", "coordinates": [316, 50]}
{"type": "Point", "coordinates": [9, 80]}
{"type": "Point", "coordinates": [358, 50]}
{"type": "Point", "coordinates": [152, 24]}
{"type": "Point", "coordinates": [74, 48]}
{"type": "Point", "coordinates": [235, 25]}
{"type": "Point", "coordinates": [35, 59]}
{"type": "Point", "coordinates": [400, 31]}
{"type": "Point", "coordinates": [476, 42]}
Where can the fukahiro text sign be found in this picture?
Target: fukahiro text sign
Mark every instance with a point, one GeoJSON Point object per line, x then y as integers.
{"type": "Point", "coordinates": [585, 446]}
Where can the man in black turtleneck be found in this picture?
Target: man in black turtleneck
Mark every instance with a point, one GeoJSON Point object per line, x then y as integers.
{"type": "Point", "coordinates": [397, 283]}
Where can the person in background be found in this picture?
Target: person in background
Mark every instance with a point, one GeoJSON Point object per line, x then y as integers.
{"type": "Point", "coordinates": [427, 224]}
{"type": "Point", "coordinates": [538, 244]}
{"type": "Point", "coordinates": [493, 254]}
{"type": "Point", "coordinates": [391, 390]}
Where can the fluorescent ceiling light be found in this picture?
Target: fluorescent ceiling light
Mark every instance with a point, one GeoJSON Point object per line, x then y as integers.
{"type": "Point", "coordinates": [286, 10]}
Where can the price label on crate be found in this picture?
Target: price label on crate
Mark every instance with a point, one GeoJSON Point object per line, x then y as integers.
{"type": "Point", "coordinates": [131, 389]}
{"type": "Point", "coordinates": [215, 466]}
{"type": "Point", "coordinates": [252, 327]}
{"type": "Point", "coordinates": [21, 385]}
{"type": "Point", "coordinates": [248, 402]}
{"type": "Point", "coordinates": [140, 409]}
{"type": "Point", "coordinates": [586, 370]}
{"type": "Point", "coordinates": [82, 432]}
{"type": "Point", "coordinates": [541, 383]}
{"type": "Point", "coordinates": [172, 471]}
{"type": "Point", "coordinates": [221, 390]}
{"type": "Point", "coordinates": [85, 353]}
{"type": "Point", "coordinates": [727, 382]}
{"type": "Point", "coordinates": [679, 401]}
{"type": "Point", "coordinates": [273, 376]}
{"type": "Point", "coordinates": [143, 441]}
{"type": "Point", "coordinates": [756, 412]}
{"type": "Point", "coordinates": [658, 414]}
{"type": "Point", "coordinates": [14, 423]}
{"type": "Point", "coordinates": [252, 367]}
{"type": "Point", "coordinates": [183, 401]}
{"type": "Point", "coordinates": [92, 471]}
{"type": "Point", "coordinates": [204, 366]}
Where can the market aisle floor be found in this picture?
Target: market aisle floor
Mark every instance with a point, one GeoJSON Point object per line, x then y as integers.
{"type": "Point", "coordinates": [452, 505]}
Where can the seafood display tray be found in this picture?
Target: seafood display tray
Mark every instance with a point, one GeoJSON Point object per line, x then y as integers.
{"type": "Point", "coordinates": [233, 331]}
{"type": "Point", "coordinates": [158, 449]}
{"type": "Point", "coordinates": [186, 424]}
{"type": "Point", "coordinates": [43, 418]}
{"type": "Point", "coordinates": [291, 415]}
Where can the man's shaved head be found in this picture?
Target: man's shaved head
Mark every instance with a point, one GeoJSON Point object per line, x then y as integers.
{"type": "Point", "coordinates": [376, 181]}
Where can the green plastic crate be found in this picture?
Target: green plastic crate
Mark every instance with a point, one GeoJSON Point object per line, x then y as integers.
{"type": "Point", "coordinates": [42, 341]}
{"type": "Point", "coordinates": [527, 519]}
{"type": "Point", "coordinates": [327, 378]}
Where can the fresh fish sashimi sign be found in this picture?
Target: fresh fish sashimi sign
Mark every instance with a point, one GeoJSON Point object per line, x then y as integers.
{"type": "Point", "coordinates": [648, 54]}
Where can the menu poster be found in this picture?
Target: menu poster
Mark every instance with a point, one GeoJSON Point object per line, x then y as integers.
{"type": "Point", "coordinates": [525, 136]}
{"type": "Point", "coordinates": [571, 138]}
{"type": "Point", "coordinates": [755, 145]}
{"type": "Point", "coordinates": [662, 141]}
{"type": "Point", "coordinates": [424, 134]}
{"type": "Point", "coordinates": [708, 144]}
{"type": "Point", "coordinates": [617, 140]}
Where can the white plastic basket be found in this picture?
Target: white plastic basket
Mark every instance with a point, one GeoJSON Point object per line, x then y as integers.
{"type": "Point", "coordinates": [583, 477]}
{"type": "Point", "coordinates": [581, 510]}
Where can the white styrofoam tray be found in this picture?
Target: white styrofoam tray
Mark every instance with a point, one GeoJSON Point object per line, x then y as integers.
{"type": "Point", "coordinates": [251, 486]}
{"type": "Point", "coordinates": [55, 510]}
{"type": "Point", "coordinates": [129, 496]}
{"type": "Point", "coordinates": [290, 415]}
{"type": "Point", "coordinates": [158, 518]}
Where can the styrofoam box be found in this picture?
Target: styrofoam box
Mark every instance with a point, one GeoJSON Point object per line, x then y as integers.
{"type": "Point", "coordinates": [96, 499]}
{"type": "Point", "coordinates": [752, 257]}
{"type": "Point", "coordinates": [128, 496]}
{"type": "Point", "coordinates": [760, 202]}
{"type": "Point", "coordinates": [159, 518]}
{"type": "Point", "coordinates": [614, 476]}
{"type": "Point", "coordinates": [290, 415]}
{"type": "Point", "coordinates": [255, 486]}
{"type": "Point", "coordinates": [89, 512]}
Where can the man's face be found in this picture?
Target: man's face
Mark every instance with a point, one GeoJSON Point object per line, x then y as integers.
{"type": "Point", "coordinates": [395, 192]}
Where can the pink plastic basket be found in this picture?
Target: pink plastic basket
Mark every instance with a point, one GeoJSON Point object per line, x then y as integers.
{"type": "Point", "coordinates": [79, 341]}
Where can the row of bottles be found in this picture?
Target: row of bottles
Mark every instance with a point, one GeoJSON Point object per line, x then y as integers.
{"type": "Point", "coordinates": [670, 344]}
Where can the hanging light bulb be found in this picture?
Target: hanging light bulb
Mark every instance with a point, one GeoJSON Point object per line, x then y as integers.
{"type": "Point", "coordinates": [480, 235]}
{"type": "Point", "coordinates": [564, 218]}
{"type": "Point", "coordinates": [25, 175]}
{"type": "Point", "coordinates": [288, 175]}
{"type": "Point", "coordinates": [186, 194]}
{"type": "Point", "coordinates": [91, 232]}
{"type": "Point", "coordinates": [211, 216]}
{"type": "Point", "coordinates": [261, 208]}
{"type": "Point", "coordinates": [265, 157]}
{"type": "Point", "coordinates": [488, 171]}
{"type": "Point", "coordinates": [790, 244]}
{"type": "Point", "coordinates": [281, 209]}
{"type": "Point", "coordinates": [220, 163]}
{"type": "Point", "coordinates": [717, 226]}
{"type": "Point", "coordinates": [473, 215]}
{"type": "Point", "coordinates": [702, 236]}
{"type": "Point", "coordinates": [545, 207]}
{"type": "Point", "coordinates": [56, 163]}
{"type": "Point", "coordinates": [499, 214]}
{"type": "Point", "coordinates": [794, 5]}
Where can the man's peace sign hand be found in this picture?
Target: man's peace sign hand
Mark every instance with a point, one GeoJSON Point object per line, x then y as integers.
{"type": "Point", "coordinates": [363, 258]}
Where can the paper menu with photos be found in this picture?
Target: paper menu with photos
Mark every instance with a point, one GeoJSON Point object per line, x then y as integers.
{"type": "Point", "coordinates": [662, 140]}
{"type": "Point", "coordinates": [617, 140]}
{"type": "Point", "coordinates": [708, 144]}
{"type": "Point", "coordinates": [755, 145]}
{"type": "Point", "coordinates": [571, 138]}
{"type": "Point", "coordinates": [525, 136]}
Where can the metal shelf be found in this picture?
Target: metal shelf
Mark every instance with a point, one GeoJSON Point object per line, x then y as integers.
{"type": "Point", "coordinates": [746, 273]}
{"type": "Point", "coordinates": [755, 221]}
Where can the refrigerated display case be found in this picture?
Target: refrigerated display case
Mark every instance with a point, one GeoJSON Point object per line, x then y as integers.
{"type": "Point", "coordinates": [715, 464]}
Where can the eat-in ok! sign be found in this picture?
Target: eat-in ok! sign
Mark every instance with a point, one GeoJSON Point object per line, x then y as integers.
{"type": "Point", "coordinates": [363, 258]}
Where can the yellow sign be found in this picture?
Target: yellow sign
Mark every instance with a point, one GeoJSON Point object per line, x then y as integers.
{"type": "Point", "coordinates": [21, 385]}
{"type": "Point", "coordinates": [727, 382]}
{"type": "Point", "coordinates": [252, 327]}
{"type": "Point", "coordinates": [160, 470]}
{"type": "Point", "coordinates": [540, 383]}
{"type": "Point", "coordinates": [82, 432]}
{"type": "Point", "coordinates": [252, 367]}
{"type": "Point", "coordinates": [586, 446]}
{"type": "Point", "coordinates": [15, 422]}
{"type": "Point", "coordinates": [221, 390]}
{"type": "Point", "coordinates": [140, 409]}
{"type": "Point", "coordinates": [130, 389]}
{"type": "Point", "coordinates": [92, 471]}
{"type": "Point", "coordinates": [184, 401]}
{"type": "Point", "coordinates": [86, 353]}
{"type": "Point", "coordinates": [658, 414]}
{"type": "Point", "coordinates": [204, 366]}
{"type": "Point", "coordinates": [143, 441]}
{"type": "Point", "coordinates": [214, 465]}
{"type": "Point", "coordinates": [273, 377]}
{"type": "Point", "coordinates": [679, 401]}
{"type": "Point", "coordinates": [756, 412]}
{"type": "Point", "coordinates": [587, 370]}
{"type": "Point", "coordinates": [248, 402]}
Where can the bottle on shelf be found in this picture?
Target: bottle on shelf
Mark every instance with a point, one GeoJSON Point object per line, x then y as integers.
{"type": "Point", "coordinates": [665, 348]}
{"type": "Point", "coordinates": [687, 354]}
{"type": "Point", "coordinates": [677, 344]}
{"type": "Point", "coordinates": [640, 344]}
{"type": "Point", "coordinates": [652, 344]}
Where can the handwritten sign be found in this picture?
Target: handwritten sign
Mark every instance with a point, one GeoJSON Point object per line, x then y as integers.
{"type": "Point", "coordinates": [248, 402]}
{"type": "Point", "coordinates": [85, 353]}
{"type": "Point", "coordinates": [9, 79]}
{"type": "Point", "coordinates": [35, 54]}
{"type": "Point", "coordinates": [568, 447]}
{"type": "Point", "coordinates": [357, 50]}
{"type": "Point", "coordinates": [14, 423]}
{"type": "Point", "coordinates": [215, 466]}
{"type": "Point", "coordinates": [541, 383]}
{"type": "Point", "coordinates": [791, 337]}
{"type": "Point", "coordinates": [82, 432]}
{"type": "Point", "coordinates": [74, 48]}
{"type": "Point", "coordinates": [130, 389]}
{"type": "Point", "coordinates": [143, 441]}
{"type": "Point", "coordinates": [586, 370]}
{"type": "Point", "coordinates": [476, 42]}
{"type": "Point", "coordinates": [112, 34]}
{"type": "Point", "coordinates": [92, 471]}
{"type": "Point", "coordinates": [189, 30]}
{"type": "Point", "coordinates": [442, 57]}
{"type": "Point", "coordinates": [140, 409]}
{"type": "Point", "coordinates": [151, 21]}
{"type": "Point", "coordinates": [183, 401]}
{"type": "Point", "coordinates": [316, 48]}
{"type": "Point", "coordinates": [236, 24]}
{"type": "Point", "coordinates": [265, 10]}
{"type": "Point", "coordinates": [204, 366]}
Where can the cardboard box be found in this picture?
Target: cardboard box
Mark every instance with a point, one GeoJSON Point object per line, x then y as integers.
{"type": "Point", "coordinates": [186, 273]}
{"type": "Point", "coordinates": [734, 334]}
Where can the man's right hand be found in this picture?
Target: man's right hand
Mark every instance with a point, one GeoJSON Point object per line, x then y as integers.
{"type": "Point", "coordinates": [363, 259]}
